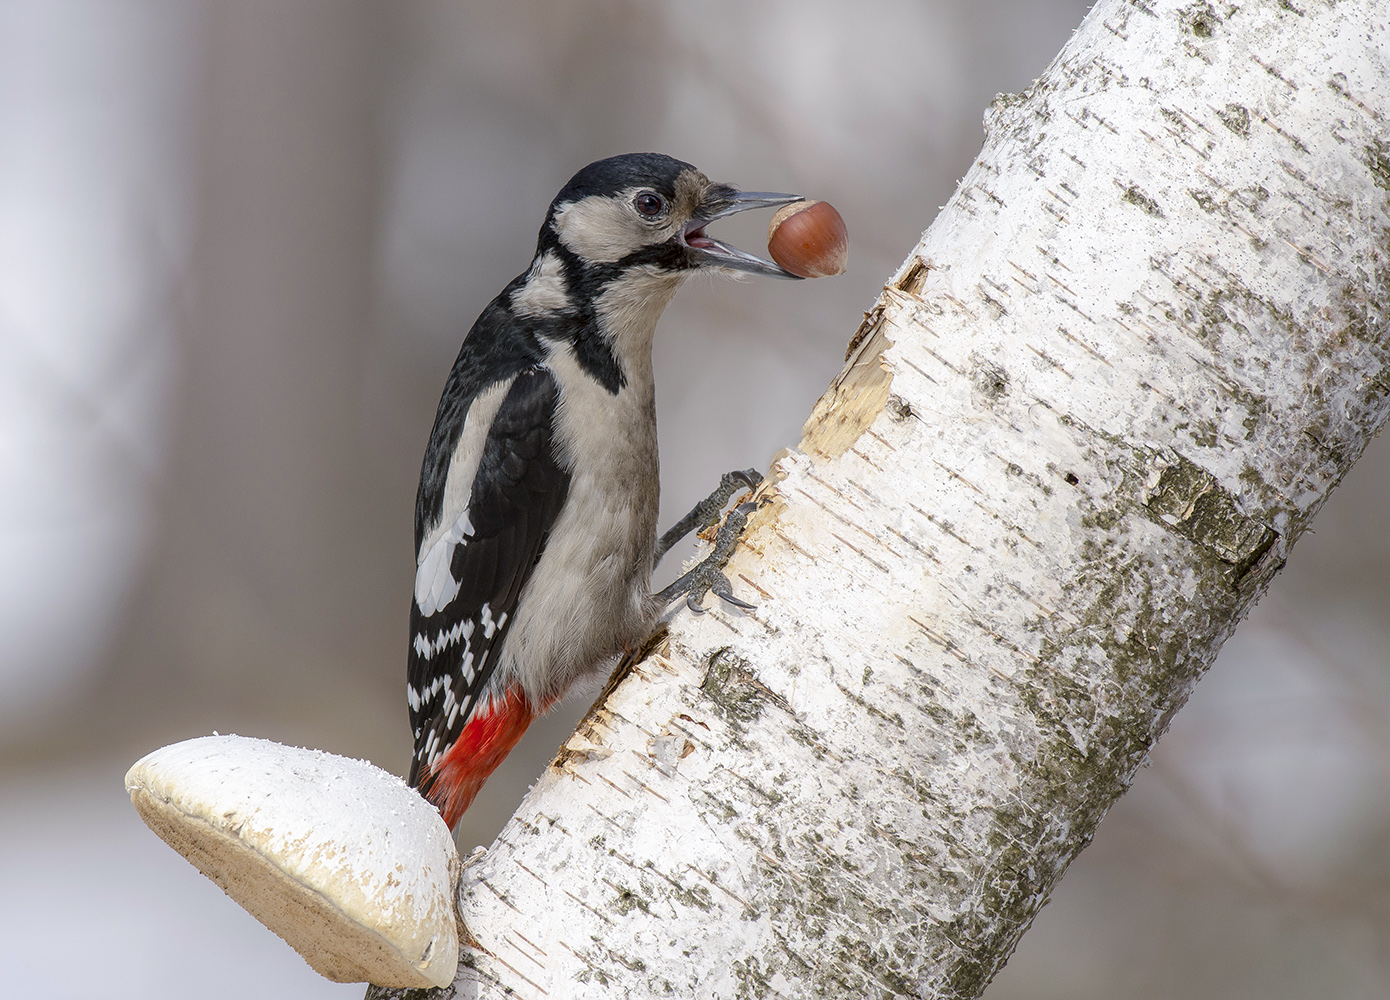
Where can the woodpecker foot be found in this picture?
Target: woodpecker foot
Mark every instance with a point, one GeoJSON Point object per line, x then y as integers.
{"type": "Point", "coordinates": [707, 511]}
{"type": "Point", "coordinates": [708, 575]}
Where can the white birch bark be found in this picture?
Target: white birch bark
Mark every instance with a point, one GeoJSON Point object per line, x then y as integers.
{"type": "Point", "coordinates": [1075, 439]}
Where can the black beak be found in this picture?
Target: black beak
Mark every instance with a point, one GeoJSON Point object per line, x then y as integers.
{"type": "Point", "coordinates": [709, 252]}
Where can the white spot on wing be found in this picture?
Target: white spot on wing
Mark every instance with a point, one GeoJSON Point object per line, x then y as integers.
{"type": "Point", "coordinates": [489, 625]}
{"type": "Point", "coordinates": [463, 630]}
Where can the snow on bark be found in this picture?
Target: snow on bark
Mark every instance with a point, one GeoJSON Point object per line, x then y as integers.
{"type": "Point", "coordinates": [1075, 439]}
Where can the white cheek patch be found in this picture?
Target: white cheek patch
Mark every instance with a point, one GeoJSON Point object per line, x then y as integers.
{"type": "Point", "coordinates": [545, 291]}
{"type": "Point", "coordinates": [605, 229]}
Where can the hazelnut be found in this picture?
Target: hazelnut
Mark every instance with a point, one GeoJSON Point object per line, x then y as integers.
{"type": "Point", "coordinates": [809, 239]}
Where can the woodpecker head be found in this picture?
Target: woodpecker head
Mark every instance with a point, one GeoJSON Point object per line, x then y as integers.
{"type": "Point", "coordinates": [649, 211]}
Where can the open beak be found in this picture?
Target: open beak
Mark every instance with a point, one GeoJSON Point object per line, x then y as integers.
{"type": "Point", "coordinates": [709, 252]}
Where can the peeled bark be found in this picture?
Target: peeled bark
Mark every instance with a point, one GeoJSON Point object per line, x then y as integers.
{"type": "Point", "coordinates": [1075, 439]}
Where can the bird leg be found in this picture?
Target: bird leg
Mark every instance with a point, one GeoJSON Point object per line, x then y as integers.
{"type": "Point", "coordinates": [706, 512]}
{"type": "Point", "coordinates": [708, 575]}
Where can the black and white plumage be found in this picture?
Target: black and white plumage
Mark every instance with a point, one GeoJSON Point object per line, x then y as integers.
{"type": "Point", "coordinates": [535, 521]}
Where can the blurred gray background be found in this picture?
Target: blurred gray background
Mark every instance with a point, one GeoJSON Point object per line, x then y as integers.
{"type": "Point", "coordinates": [240, 241]}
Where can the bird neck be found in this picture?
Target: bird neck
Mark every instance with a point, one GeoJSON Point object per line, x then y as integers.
{"type": "Point", "coordinates": [628, 308]}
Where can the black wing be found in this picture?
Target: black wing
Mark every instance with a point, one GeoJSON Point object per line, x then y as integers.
{"type": "Point", "coordinates": [517, 494]}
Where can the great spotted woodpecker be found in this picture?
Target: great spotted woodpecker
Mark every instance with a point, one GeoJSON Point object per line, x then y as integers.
{"type": "Point", "coordinates": [535, 521]}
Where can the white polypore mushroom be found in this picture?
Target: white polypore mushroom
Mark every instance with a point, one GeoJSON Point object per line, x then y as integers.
{"type": "Point", "coordinates": [341, 859]}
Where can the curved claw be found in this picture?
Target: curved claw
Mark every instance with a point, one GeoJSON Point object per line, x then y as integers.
{"type": "Point", "coordinates": [724, 590]}
{"type": "Point", "coordinates": [748, 477]}
{"type": "Point", "coordinates": [706, 577]}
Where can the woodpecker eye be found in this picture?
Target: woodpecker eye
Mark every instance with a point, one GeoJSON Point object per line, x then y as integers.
{"type": "Point", "coordinates": [649, 203]}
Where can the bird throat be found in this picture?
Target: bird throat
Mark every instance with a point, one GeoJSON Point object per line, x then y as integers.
{"type": "Point", "coordinates": [629, 307]}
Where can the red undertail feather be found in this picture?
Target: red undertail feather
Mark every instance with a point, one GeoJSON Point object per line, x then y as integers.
{"type": "Point", "coordinates": [456, 777]}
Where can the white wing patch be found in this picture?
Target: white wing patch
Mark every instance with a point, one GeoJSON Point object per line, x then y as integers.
{"type": "Point", "coordinates": [435, 585]}
{"type": "Point", "coordinates": [458, 484]}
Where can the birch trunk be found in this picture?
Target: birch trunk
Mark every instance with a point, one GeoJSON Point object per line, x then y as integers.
{"type": "Point", "coordinates": [1075, 439]}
